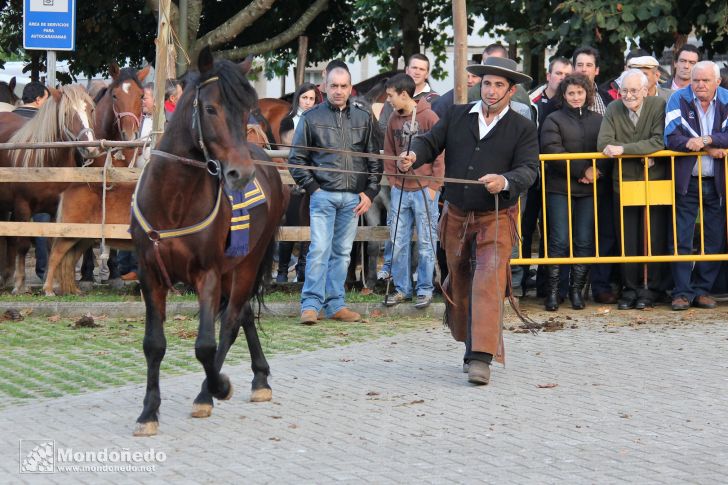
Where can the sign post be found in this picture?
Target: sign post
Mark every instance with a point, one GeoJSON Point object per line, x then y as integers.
{"type": "Point", "coordinates": [49, 25]}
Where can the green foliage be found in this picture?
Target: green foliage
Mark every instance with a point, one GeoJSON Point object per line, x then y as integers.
{"type": "Point", "coordinates": [106, 31]}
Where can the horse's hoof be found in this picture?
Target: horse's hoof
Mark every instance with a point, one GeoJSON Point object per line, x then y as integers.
{"type": "Point", "coordinates": [201, 410]}
{"type": "Point", "coordinates": [19, 290]}
{"type": "Point", "coordinates": [116, 284]}
{"type": "Point", "coordinates": [229, 394]}
{"type": "Point", "coordinates": [85, 286]}
{"type": "Point", "coordinates": [261, 395]}
{"type": "Point", "coordinates": [146, 429]}
{"type": "Point", "coordinates": [49, 292]}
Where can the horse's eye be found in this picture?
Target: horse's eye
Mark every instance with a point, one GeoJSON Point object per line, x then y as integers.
{"type": "Point", "coordinates": [210, 110]}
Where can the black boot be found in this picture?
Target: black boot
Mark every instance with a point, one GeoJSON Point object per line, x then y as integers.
{"type": "Point", "coordinates": [579, 273]}
{"type": "Point", "coordinates": [551, 303]}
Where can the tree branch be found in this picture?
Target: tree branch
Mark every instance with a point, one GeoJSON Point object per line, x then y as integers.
{"type": "Point", "coordinates": [194, 13]}
{"type": "Point", "coordinates": [281, 39]}
{"type": "Point", "coordinates": [229, 30]}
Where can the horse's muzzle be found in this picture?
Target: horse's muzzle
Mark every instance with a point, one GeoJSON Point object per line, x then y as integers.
{"type": "Point", "coordinates": [238, 179]}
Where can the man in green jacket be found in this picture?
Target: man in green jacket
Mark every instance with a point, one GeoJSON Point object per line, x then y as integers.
{"type": "Point", "coordinates": [634, 125]}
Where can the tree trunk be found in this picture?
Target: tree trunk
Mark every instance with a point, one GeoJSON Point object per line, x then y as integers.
{"type": "Point", "coordinates": [409, 23]}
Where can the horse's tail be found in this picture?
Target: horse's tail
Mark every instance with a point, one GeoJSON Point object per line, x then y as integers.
{"type": "Point", "coordinates": [263, 277]}
{"type": "Point", "coordinates": [67, 269]}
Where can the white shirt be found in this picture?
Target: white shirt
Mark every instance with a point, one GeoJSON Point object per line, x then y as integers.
{"type": "Point", "coordinates": [484, 128]}
{"type": "Point", "coordinates": [144, 134]}
{"type": "Point", "coordinates": [706, 120]}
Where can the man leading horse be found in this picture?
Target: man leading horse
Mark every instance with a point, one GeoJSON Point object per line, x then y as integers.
{"type": "Point", "coordinates": [496, 148]}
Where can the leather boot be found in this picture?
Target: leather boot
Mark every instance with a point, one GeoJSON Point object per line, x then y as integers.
{"type": "Point", "coordinates": [551, 303]}
{"type": "Point", "coordinates": [579, 273]}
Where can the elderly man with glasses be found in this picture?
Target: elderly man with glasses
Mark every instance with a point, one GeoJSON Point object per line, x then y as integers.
{"type": "Point", "coordinates": [633, 125]}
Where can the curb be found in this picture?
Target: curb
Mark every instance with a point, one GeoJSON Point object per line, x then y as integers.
{"type": "Point", "coordinates": [137, 309]}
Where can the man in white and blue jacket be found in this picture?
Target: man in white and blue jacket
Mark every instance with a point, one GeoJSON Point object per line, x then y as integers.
{"type": "Point", "coordinates": [697, 120]}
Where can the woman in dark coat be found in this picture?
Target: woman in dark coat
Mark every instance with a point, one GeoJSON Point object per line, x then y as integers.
{"type": "Point", "coordinates": [303, 100]}
{"type": "Point", "coordinates": [571, 129]}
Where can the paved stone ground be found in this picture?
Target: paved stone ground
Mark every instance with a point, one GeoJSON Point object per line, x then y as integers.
{"type": "Point", "coordinates": [643, 404]}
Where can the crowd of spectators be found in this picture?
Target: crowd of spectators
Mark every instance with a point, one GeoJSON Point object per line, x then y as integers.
{"type": "Point", "coordinates": [634, 114]}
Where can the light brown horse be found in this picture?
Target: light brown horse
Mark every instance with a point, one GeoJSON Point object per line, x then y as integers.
{"type": "Point", "coordinates": [67, 115]}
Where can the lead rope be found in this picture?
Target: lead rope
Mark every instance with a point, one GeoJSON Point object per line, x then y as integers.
{"type": "Point", "coordinates": [104, 256]}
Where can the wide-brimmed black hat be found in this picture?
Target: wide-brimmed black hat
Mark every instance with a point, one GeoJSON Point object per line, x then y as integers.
{"type": "Point", "coordinates": [499, 66]}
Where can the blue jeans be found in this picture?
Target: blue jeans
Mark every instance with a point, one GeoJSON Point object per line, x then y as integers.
{"type": "Point", "coordinates": [333, 228]}
{"type": "Point", "coordinates": [41, 247]}
{"type": "Point", "coordinates": [582, 225]}
{"type": "Point", "coordinates": [714, 231]}
{"type": "Point", "coordinates": [413, 214]}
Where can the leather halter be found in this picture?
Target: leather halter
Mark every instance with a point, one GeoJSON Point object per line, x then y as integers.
{"type": "Point", "coordinates": [213, 168]}
{"type": "Point", "coordinates": [119, 116]}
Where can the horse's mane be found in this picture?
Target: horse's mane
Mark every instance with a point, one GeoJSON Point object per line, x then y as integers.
{"type": "Point", "coordinates": [236, 95]}
{"type": "Point", "coordinates": [46, 126]}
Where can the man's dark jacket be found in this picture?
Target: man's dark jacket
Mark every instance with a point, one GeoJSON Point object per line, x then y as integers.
{"type": "Point", "coordinates": [325, 126]}
{"type": "Point", "coordinates": [509, 149]}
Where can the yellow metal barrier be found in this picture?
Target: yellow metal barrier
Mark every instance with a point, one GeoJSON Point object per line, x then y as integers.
{"type": "Point", "coordinates": [644, 193]}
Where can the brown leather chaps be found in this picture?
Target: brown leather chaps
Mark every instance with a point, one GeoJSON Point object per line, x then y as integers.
{"type": "Point", "coordinates": [477, 288]}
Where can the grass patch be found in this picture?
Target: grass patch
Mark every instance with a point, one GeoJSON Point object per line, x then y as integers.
{"type": "Point", "coordinates": [130, 293]}
{"type": "Point", "coordinates": [48, 357]}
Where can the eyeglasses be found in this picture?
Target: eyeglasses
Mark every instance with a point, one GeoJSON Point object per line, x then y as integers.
{"type": "Point", "coordinates": [630, 92]}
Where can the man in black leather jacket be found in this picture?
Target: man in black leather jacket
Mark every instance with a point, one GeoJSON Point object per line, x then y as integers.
{"type": "Point", "coordinates": [337, 199]}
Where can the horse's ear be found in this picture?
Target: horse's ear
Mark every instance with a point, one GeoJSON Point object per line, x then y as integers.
{"type": "Point", "coordinates": [11, 85]}
{"type": "Point", "coordinates": [114, 70]}
{"type": "Point", "coordinates": [205, 60]}
{"type": "Point", "coordinates": [142, 73]}
{"type": "Point", "coordinates": [56, 93]}
{"type": "Point", "coordinates": [246, 64]}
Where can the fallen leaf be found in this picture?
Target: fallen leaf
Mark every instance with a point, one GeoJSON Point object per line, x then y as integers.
{"type": "Point", "coordinates": [274, 438]}
{"type": "Point", "coordinates": [12, 314]}
{"type": "Point", "coordinates": [372, 393]}
{"type": "Point", "coordinates": [603, 310]}
{"type": "Point", "coordinates": [277, 417]}
{"type": "Point", "coordinates": [388, 360]}
{"type": "Point", "coordinates": [547, 386]}
{"type": "Point", "coordinates": [186, 334]}
{"type": "Point", "coordinates": [181, 317]}
{"type": "Point", "coordinates": [54, 318]}
{"type": "Point", "coordinates": [624, 415]}
{"type": "Point", "coordinates": [86, 321]}
{"type": "Point", "coordinates": [293, 426]}
{"type": "Point", "coordinates": [366, 291]}
{"type": "Point", "coordinates": [375, 313]}
{"type": "Point", "coordinates": [344, 359]}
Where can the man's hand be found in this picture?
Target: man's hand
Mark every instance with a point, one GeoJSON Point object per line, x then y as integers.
{"type": "Point", "coordinates": [716, 152]}
{"type": "Point", "coordinates": [613, 150]}
{"type": "Point", "coordinates": [494, 183]}
{"type": "Point", "coordinates": [589, 176]}
{"type": "Point", "coordinates": [695, 144]}
{"type": "Point", "coordinates": [364, 204]}
{"type": "Point", "coordinates": [406, 164]}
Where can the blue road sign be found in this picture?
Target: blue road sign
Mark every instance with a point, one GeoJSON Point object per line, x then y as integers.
{"type": "Point", "coordinates": [49, 24]}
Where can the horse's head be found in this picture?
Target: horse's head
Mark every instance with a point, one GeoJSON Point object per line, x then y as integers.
{"type": "Point", "coordinates": [76, 117]}
{"type": "Point", "coordinates": [126, 93]}
{"type": "Point", "coordinates": [221, 100]}
{"type": "Point", "coordinates": [7, 92]}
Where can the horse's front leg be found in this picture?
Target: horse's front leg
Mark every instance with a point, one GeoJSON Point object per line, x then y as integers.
{"type": "Point", "coordinates": [208, 291]}
{"type": "Point", "coordinates": [155, 346]}
{"type": "Point", "coordinates": [229, 329]}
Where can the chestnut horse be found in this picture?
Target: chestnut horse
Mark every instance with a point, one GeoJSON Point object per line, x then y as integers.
{"type": "Point", "coordinates": [269, 114]}
{"type": "Point", "coordinates": [180, 226]}
{"type": "Point", "coordinates": [67, 115]}
{"type": "Point", "coordinates": [8, 98]}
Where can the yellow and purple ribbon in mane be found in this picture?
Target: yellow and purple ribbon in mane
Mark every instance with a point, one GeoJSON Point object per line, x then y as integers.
{"type": "Point", "coordinates": [242, 202]}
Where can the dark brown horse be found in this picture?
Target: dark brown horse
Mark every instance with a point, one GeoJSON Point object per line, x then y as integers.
{"type": "Point", "coordinates": [67, 115]}
{"type": "Point", "coordinates": [180, 190]}
{"type": "Point", "coordinates": [82, 204]}
{"type": "Point", "coordinates": [7, 94]}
